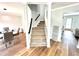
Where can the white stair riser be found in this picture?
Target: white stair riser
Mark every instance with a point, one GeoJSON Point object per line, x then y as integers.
{"type": "Point", "coordinates": [38, 36]}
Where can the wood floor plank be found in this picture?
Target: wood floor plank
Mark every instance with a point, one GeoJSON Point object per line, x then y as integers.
{"type": "Point", "coordinates": [45, 52]}
{"type": "Point", "coordinates": [65, 48]}
{"type": "Point", "coordinates": [52, 50]}
{"type": "Point", "coordinates": [15, 48]}
{"type": "Point", "coordinates": [28, 52]}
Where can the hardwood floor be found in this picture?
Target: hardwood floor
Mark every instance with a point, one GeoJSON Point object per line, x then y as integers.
{"type": "Point", "coordinates": [15, 48]}
{"type": "Point", "coordinates": [70, 42]}
{"type": "Point", "coordinates": [43, 51]}
{"type": "Point", "coordinates": [65, 48]}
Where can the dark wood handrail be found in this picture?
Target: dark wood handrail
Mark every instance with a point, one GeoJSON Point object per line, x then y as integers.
{"type": "Point", "coordinates": [30, 26]}
{"type": "Point", "coordinates": [37, 17]}
{"type": "Point", "coordinates": [31, 23]}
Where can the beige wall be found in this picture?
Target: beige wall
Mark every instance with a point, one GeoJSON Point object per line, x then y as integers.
{"type": "Point", "coordinates": [10, 20]}
{"type": "Point", "coordinates": [13, 16]}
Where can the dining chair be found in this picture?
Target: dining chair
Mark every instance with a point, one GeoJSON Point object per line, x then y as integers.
{"type": "Point", "coordinates": [8, 38]}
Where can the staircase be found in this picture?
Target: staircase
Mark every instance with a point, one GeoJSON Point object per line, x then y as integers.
{"type": "Point", "coordinates": [38, 35]}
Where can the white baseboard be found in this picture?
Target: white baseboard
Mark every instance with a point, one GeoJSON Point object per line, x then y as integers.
{"type": "Point", "coordinates": [77, 46]}
{"type": "Point", "coordinates": [56, 40]}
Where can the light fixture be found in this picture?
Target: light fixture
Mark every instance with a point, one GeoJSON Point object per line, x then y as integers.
{"type": "Point", "coordinates": [4, 9]}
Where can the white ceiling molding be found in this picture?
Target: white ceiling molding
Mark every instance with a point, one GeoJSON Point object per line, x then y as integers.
{"type": "Point", "coordinates": [42, 0]}
{"type": "Point", "coordinates": [65, 6]}
{"type": "Point", "coordinates": [21, 1]}
{"type": "Point", "coordinates": [65, 0]}
{"type": "Point", "coordinates": [36, 2]}
{"type": "Point", "coordinates": [71, 14]}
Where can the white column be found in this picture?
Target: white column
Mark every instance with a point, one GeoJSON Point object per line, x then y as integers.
{"type": "Point", "coordinates": [29, 15]}
{"type": "Point", "coordinates": [48, 25]}
{"type": "Point", "coordinates": [25, 25]}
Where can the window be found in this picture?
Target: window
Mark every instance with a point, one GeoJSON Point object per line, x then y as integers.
{"type": "Point", "coordinates": [68, 23]}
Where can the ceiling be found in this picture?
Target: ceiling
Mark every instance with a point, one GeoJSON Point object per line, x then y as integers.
{"type": "Point", "coordinates": [12, 7]}
{"type": "Point", "coordinates": [61, 4]}
{"type": "Point", "coordinates": [66, 7]}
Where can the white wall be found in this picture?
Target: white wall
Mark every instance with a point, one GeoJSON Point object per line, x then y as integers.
{"type": "Point", "coordinates": [34, 9]}
{"type": "Point", "coordinates": [57, 20]}
{"type": "Point", "coordinates": [57, 15]}
{"type": "Point", "coordinates": [41, 9]}
{"type": "Point", "coordinates": [37, 9]}
{"type": "Point", "coordinates": [35, 12]}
